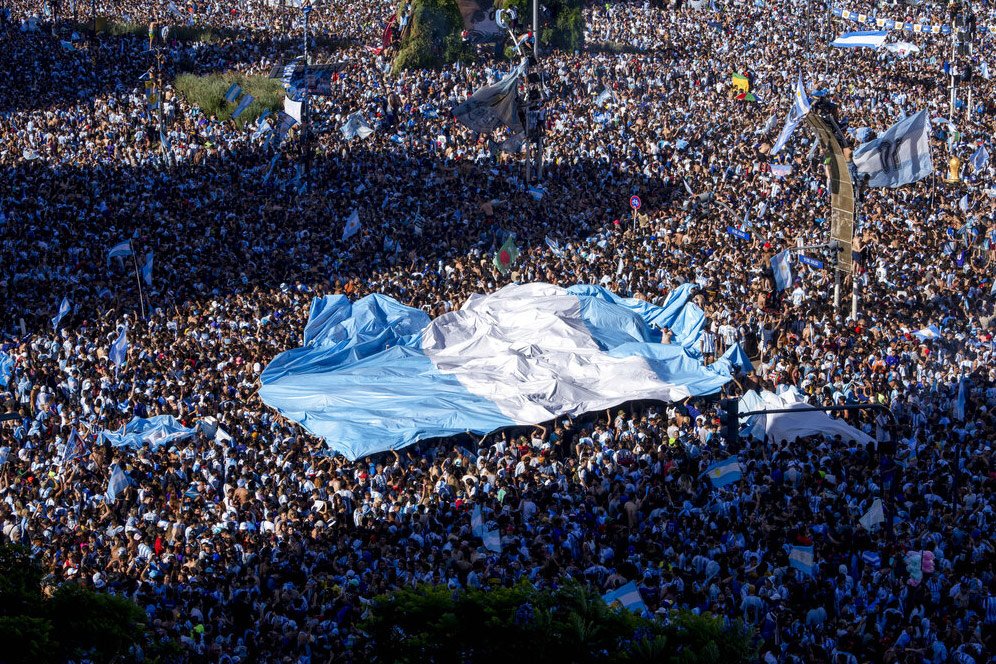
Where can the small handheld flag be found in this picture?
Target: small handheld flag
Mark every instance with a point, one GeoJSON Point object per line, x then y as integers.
{"type": "Point", "coordinates": [506, 256]}
{"type": "Point", "coordinates": [724, 472]}
{"type": "Point", "coordinates": [63, 310]}
{"type": "Point", "coordinates": [120, 250]}
{"type": "Point", "coordinates": [352, 226]}
{"type": "Point", "coordinates": [119, 349]}
{"type": "Point", "coordinates": [147, 269]}
{"type": "Point", "coordinates": [801, 558]}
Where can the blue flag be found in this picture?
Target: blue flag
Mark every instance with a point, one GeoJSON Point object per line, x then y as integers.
{"type": "Point", "coordinates": [800, 107]}
{"type": "Point", "coordinates": [243, 105]}
{"type": "Point", "coordinates": [233, 92]}
{"type": "Point", "coordinates": [63, 310]}
{"type": "Point", "coordinates": [6, 368]}
{"type": "Point", "coordinates": [119, 349]}
{"type": "Point", "coordinates": [117, 483]}
{"type": "Point", "coordinates": [980, 158]}
{"type": "Point", "coordinates": [147, 269]}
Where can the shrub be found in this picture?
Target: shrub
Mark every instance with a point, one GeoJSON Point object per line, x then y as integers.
{"type": "Point", "coordinates": [208, 93]}
{"type": "Point", "coordinates": [434, 37]}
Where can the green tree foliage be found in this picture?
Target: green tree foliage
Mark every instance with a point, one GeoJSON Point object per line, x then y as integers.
{"type": "Point", "coordinates": [433, 624]}
{"type": "Point", "coordinates": [73, 623]}
{"type": "Point", "coordinates": [434, 37]}
{"type": "Point", "coordinates": [561, 24]}
{"type": "Point", "coordinates": [208, 94]}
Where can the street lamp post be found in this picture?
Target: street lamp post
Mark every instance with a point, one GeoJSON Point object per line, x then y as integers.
{"type": "Point", "coordinates": [305, 106]}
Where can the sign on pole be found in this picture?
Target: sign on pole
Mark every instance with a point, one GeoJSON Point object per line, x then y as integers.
{"type": "Point", "coordinates": [737, 233]}
{"type": "Point", "coordinates": [635, 203]}
{"type": "Point", "coordinates": [811, 262]}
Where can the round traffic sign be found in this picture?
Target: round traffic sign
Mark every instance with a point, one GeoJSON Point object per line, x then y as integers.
{"type": "Point", "coordinates": [634, 202]}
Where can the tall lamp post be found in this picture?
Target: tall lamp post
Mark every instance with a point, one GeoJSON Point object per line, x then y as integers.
{"type": "Point", "coordinates": [305, 106]}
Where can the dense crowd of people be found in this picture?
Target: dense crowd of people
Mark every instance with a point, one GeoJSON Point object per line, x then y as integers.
{"type": "Point", "coordinates": [262, 546]}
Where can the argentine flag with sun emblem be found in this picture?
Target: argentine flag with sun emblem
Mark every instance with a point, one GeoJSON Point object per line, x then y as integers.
{"type": "Point", "coordinates": [375, 375]}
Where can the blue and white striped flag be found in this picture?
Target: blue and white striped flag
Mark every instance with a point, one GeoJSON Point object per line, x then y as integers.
{"type": "Point", "coordinates": [899, 156]}
{"type": "Point", "coordinates": [801, 558]}
{"type": "Point", "coordinates": [233, 93]}
{"type": "Point", "coordinates": [783, 270]}
{"type": "Point", "coordinates": [862, 38]}
{"type": "Point", "coordinates": [872, 559]}
{"type": "Point", "coordinates": [120, 250]}
{"type": "Point", "coordinates": [724, 472]}
{"type": "Point", "coordinates": [119, 349]}
{"type": "Point", "coordinates": [800, 107]}
{"type": "Point", "coordinates": [243, 105]}
{"type": "Point", "coordinates": [63, 310]}
{"type": "Point", "coordinates": [117, 483]}
{"type": "Point", "coordinates": [147, 269]}
{"type": "Point", "coordinates": [628, 596]}
{"type": "Point", "coordinates": [554, 246]}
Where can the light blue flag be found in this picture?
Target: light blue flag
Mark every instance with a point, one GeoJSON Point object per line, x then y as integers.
{"type": "Point", "coordinates": [899, 156]}
{"type": "Point", "coordinates": [724, 472]}
{"type": "Point", "coordinates": [120, 250]}
{"type": "Point", "coordinates": [492, 540]}
{"type": "Point", "coordinates": [233, 93]}
{"type": "Point", "coordinates": [147, 270]}
{"type": "Point", "coordinates": [980, 158]}
{"type": "Point", "coordinates": [477, 522]}
{"type": "Point", "coordinates": [800, 107]}
{"type": "Point", "coordinates": [783, 270]}
{"type": "Point", "coordinates": [116, 484]}
{"type": "Point", "coordinates": [64, 308]}
{"type": "Point", "coordinates": [959, 410]}
{"type": "Point", "coordinates": [627, 596]}
{"type": "Point", "coordinates": [6, 368]}
{"type": "Point", "coordinates": [554, 246]}
{"type": "Point", "coordinates": [801, 558]}
{"type": "Point", "coordinates": [963, 203]}
{"type": "Point", "coordinates": [151, 431]}
{"type": "Point", "coordinates": [119, 349]}
{"type": "Point", "coordinates": [375, 375]}
{"type": "Point", "coordinates": [243, 105]}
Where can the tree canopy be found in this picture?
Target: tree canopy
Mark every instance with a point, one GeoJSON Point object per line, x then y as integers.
{"type": "Point", "coordinates": [522, 624]}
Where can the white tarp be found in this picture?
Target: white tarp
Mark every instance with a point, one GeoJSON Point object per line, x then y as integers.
{"type": "Point", "coordinates": [790, 426]}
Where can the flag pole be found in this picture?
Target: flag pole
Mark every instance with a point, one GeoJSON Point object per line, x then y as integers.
{"type": "Point", "coordinates": [138, 278]}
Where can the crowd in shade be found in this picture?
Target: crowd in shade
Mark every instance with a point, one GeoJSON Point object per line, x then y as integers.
{"type": "Point", "coordinates": [245, 539]}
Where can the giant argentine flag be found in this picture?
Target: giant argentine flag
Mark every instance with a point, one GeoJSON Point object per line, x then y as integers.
{"type": "Point", "coordinates": [899, 156]}
{"type": "Point", "coordinates": [376, 375]}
